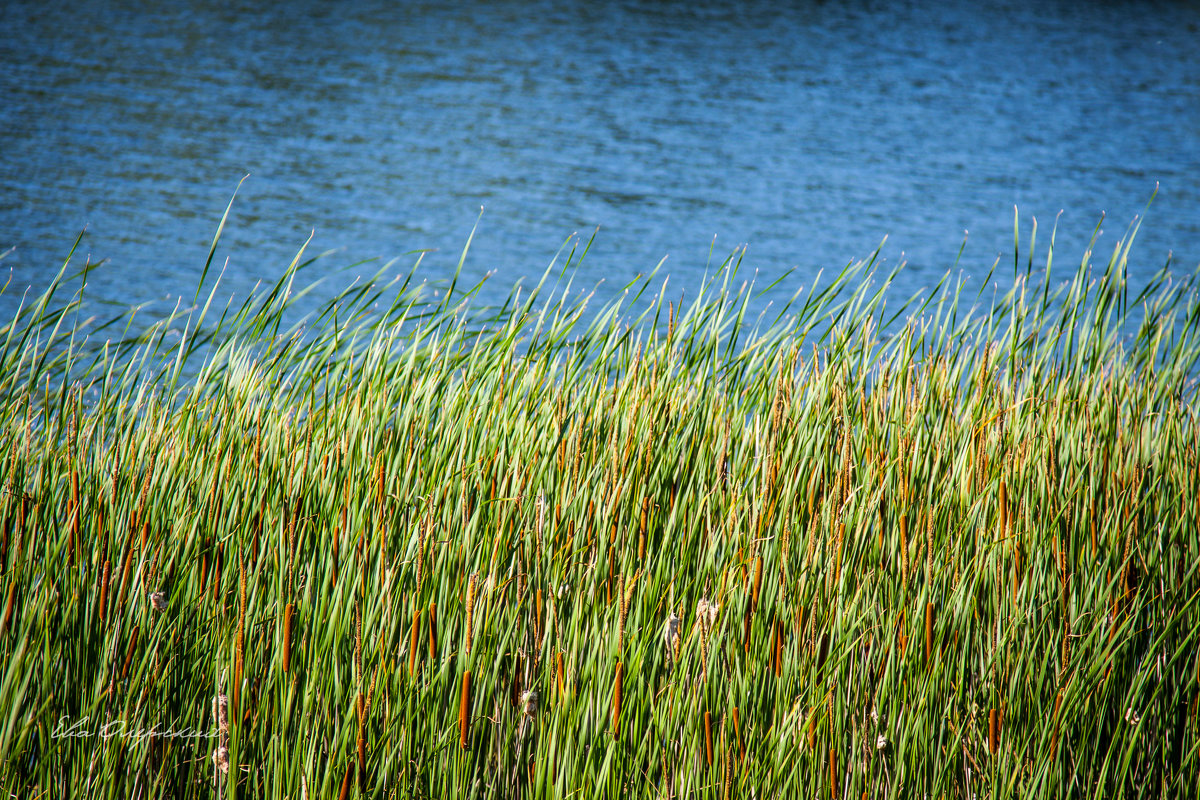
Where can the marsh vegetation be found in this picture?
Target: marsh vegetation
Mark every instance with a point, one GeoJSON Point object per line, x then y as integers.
{"type": "Point", "coordinates": [416, 547]}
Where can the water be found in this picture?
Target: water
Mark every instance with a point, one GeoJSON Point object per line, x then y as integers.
{"type": "Point", "coordinates": [808, 133]}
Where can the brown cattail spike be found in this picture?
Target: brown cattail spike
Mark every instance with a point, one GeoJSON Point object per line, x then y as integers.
{"type": "Point", "coordinates": [9, 605]}
{"type": "Point", "coordinates": [288, 613]}
{"type": "Point", "coordinates": [993, 731]}
{"type": "Point", "coordinates": [413, 639]}
{"type": "Point", "coordinates": [433, 632]}
{"type": "Point", "coordinates": [129, 652]}
{"type": "Point", "coordinates": [708, 739]}
{"type": "Point", "coordinates": [928, 631]}
{"type": "Point", "coordinates": [1002, 503]}
{"type": "Point", "coordinates": [833, 774]}
{"type": "Point", "coordinates": [737, 732]}
{"type": "Point", "coordinates": [362, 762]}
{"type": "Point", "coordinates": [616, 708]}
{"type": "Point", "coordinates": [1054, 735]}
{"type": "Point", "coordinates": [104, 589]}
{"type": "Point", "coordinates": [464, 712]}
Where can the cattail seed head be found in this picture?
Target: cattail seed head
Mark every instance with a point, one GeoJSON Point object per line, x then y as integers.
{"type": "Point", "coordinates": [220, 758]}
{"type": "Point", "coordinates": [528, 703]}
{"type": "Point", "coordinates": [671, 632]}
{"type": "Point", "coordinates": [220, 709]}
{"type": "Point", "coordinates": [706, 614]}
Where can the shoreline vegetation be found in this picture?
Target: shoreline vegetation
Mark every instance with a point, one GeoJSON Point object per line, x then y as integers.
{"type": "Point", "coordinates": [416, 548]}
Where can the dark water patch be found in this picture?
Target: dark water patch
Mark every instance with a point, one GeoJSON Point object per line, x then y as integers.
{"type": "Point", "coordinates": [807, 130]}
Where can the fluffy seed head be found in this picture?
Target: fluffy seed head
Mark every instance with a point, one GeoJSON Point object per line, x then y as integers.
{"type": "Point", "coordinates": [220, 707]}
{"type": "Point", "coordinates": [706, 613]}
{"type": "Point", "coordinates": [529, 703]}
{"type": "Point", "coordinates": [220, 759]}
{"type": "Point", "coordinates": [671, 631]}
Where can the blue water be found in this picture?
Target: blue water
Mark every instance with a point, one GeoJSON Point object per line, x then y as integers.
{"type": "Point", "coordinates": [807, 131]}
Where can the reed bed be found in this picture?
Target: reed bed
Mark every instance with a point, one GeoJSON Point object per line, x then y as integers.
{"type": "Point", "coordinates": [417, 547]}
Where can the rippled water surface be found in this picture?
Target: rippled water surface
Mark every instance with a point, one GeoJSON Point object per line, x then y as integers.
{"type": "Point", "coordinates": [807, 131]}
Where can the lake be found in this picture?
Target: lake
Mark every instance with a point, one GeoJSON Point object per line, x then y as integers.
{"type": "Point", "coordinates": [807, 131]}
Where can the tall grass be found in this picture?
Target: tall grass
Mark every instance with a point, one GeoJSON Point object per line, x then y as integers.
{"type": "Point", "coordinates": [417, 547]}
